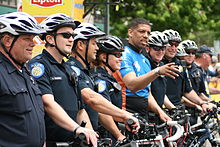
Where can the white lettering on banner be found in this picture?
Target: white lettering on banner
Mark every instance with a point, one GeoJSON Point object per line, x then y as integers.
{"type": "Point", "coordinates": [46, 3]}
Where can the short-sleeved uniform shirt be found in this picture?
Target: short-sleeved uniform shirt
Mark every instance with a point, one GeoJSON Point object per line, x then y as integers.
{"type": "Point", "coordinates": [158, 86]}
{"type": "Point", "coordinates": [21, 108]}
{"type": "Point", "coordinates": [135, 62]}
{"type": "Point", "coordinates": [107, 86]}
{"type": "Point", "coordinates": [53, 78]}
{"type": "Point", "coordinates": [176, 87]}
{"type": "Point", "coordinates": [197, 79]}
{"type": "Point", "coordinates": [85, 81]}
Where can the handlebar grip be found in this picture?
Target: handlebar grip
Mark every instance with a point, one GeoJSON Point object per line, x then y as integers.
{"type": "Point", "coordinates": [178, 134]}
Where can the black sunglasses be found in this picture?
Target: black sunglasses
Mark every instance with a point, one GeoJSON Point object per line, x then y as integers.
{"type": "Point", "coordinates": [173, 43]}
{"type": "Point", "coordinates": [190, 52]}
{"type": "Point", "coordinates": [66, 35]}
{"type": "Point", "coordinates": [118, 55]}
{"type": "Point", "coordinates": [158, 48]}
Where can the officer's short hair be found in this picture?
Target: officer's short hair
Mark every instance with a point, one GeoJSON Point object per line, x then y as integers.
{"type": "Point", "coordinates": [135, 22]}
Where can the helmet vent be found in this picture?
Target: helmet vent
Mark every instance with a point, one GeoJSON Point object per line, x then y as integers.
{"type": "Point", "coordinates": [26, 23]}
{"type": "Point", "coordinates": [85, 33]}
{"type": "Point", "coordinates": [12, 17]}
{"type": "Point", "coordinates": [2, 26]}
{"type": "Point", "coordinates": [58, 18]}
{"type": "Point", "coordinates": [51, 24]}
{"type": "Point", "coordinates": [91, 28]}
{"type": "Point", "coordinates": [15, 27]}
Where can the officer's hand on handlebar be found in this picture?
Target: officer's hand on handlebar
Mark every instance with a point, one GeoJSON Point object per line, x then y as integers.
{"type": "Point", "coordinates": [200, 110]}
{"type": "Point", "coordinates": [134, 127]}
{"type": "Point", "coordinates": [207, 106]}
{"type": "Point", "coordinates": [164, 117]}
{"type": "Point", "coordinates": [170, 70]}
{"type": "Point", "coordinates": [91, 135]}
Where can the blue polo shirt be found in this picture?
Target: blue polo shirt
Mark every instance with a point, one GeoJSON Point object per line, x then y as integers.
{"type": "Point", "coordinates": [137, 63]}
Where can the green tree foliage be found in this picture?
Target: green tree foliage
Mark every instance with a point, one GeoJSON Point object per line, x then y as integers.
{"type": "Point", "coordinates": [189, 17]}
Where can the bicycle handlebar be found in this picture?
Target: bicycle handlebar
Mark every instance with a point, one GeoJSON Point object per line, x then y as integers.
{"type": "Point", "coordinates": [179, 131]}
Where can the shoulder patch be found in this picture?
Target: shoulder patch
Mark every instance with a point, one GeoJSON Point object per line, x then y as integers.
{"type": "Point", "coordinates": [37, 70]}
{"type": "Point", "coordinates": [101, 85]}
{"type": "Point", "coordinates": [76, 69]}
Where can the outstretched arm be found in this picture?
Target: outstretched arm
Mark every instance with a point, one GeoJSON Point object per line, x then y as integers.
{"type": "Point", "coordinates": [135, 83]}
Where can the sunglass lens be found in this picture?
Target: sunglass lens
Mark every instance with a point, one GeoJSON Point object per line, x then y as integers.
{"type": "Point", "coordinates": [157, 48]}
{"type": "Point", "coordinates": [191, 52]}
{"type": "Point", "coordinates": [66, 35]}
{"type": "Point", "coordinates": [118, 55]}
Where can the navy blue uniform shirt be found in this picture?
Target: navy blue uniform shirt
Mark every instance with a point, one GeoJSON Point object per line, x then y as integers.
{"type": "Point", "coordinates": [21, 108]}
{"type": "Point", "coordinates": [53, 78]}
{"type": "Point", "coordinates": [85, 81]}
{"type": "Point", "coordinates": [107, 86]}
{"type": "Point", "coordinates": [176, 87]}
{"type": "Point", "coordinates": [158, 86]}
{"type": "Point", "coordinates": [197, 79]}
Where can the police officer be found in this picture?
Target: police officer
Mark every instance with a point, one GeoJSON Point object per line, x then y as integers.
{"type": "Point", "coordinates": [181, 84]}
{"type": "Point", "coordinates": [156, 50]}
{"type": "Point", "coordinates": [83, 53]}
{"type": "Point", "coordinates": [195, 72]}
{"type": "Point", "coordinates": [61, 102]}
{"type": "Point", "coordinates": [107, 62]}
{"type": "Point", "coordinates": [21, 107]}
{"type": "Point", "coordinates": [203, 60]}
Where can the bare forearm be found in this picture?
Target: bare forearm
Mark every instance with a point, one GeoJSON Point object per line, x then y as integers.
{"type": "Point", "coordinates": [152, 105]}
{"type": "Point", "coordinates": [168, 104]}
{"type": "Point", "coordinates": [83, 116]}
{"type": "Point", "coordinates": [100, 104]}
{"type": "Point", "coordinates": [108, 123]}
{"type": "Point", "coordinates": [192, 96]}
{"type": "Point", "coordinates": [58, 115]}
{"type": "Point", "coordinates": [204, 97]}
{"type": "Point", "coordinates": [189, 103]}
{"type": "Point", "coordinates": [134, 83]}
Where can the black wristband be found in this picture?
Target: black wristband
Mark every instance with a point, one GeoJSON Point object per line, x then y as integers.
{"type": "Point", "coordinates": [74, 132]}
{"type": "Point", "coordinates": [203, 103]}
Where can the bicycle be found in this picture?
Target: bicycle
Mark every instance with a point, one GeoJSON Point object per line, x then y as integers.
{"type": "Point", "coordinates": [150, 136]}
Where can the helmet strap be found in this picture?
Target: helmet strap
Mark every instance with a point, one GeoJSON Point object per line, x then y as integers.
{"type": "Point", "coordinates": [9, 52]}
{"type": "Point", "coordinates": [106, 63]}
{"type": "Point", "coordinates": [86, 54]}
{"type": "Point", "coordinates": [60, 52]}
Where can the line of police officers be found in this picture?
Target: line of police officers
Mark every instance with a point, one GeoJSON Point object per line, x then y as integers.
{"type": "Point", "coordinates": [66, 90]}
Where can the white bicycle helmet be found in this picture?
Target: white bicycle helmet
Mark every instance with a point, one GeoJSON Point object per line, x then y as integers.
{"type": "Point", "coordinates": [55, 21]}
{"type": "Point", "coordinates": [18, 23]}
{"type": "Point", "coordinates": [172, 35]}
{"type": "Point", "coordinates": [189, 45]}
{"type": "Point", "coordinates": [181, 51]}
{"type": "Point", "coordinates": [157, 38]}
{"type": "Point", "coordinates": [86, 31]}
{"type": "Point", "coordinates": [109, 44]}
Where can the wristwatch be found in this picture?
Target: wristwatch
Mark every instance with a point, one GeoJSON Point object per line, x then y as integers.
{"type": "Point", "coordinates": [157, 71]}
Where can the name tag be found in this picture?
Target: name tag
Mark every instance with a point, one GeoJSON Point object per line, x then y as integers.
{"type": "Point", "coordinates": [55, 78]}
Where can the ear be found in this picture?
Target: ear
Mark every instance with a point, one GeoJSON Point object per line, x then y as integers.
{"type": "Point", "coordinates": [7, 40]}
{"type": "Point", "coordinates": [80, 45]}
{"type": "Point", "coordinates": [50, 39]}
{"type": "Point", "coordinates": [130, 33]}
{"type": "Point", "coordinates": [103, 57]}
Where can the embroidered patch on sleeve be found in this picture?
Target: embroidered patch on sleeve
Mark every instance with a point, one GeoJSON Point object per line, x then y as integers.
{"type": "Point", "coordinates": [37, 70]}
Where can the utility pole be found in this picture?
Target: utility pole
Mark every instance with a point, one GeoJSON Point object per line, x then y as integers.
{"type": "Point", "coordinates": [107, 17]}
